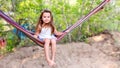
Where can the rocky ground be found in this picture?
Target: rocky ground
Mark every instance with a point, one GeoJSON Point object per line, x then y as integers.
{"type": "Point", "coordinates": [101, 51]}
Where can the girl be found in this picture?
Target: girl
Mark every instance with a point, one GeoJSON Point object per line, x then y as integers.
{"type": "Point", "coordinates": [44, 31]}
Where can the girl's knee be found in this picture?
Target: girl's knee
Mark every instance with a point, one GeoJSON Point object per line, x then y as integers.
{"type": "Point", "coordinates": [47, 41]}
{"type": "Point", "coordinates": [53, 41]}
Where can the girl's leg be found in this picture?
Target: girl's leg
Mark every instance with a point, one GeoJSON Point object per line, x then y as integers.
{"type": "Point", "coordinates": [46, 48]}
{"type": "Point", "coordinates": [53, 48]}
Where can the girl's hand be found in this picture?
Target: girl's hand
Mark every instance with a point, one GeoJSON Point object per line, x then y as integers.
{"type": "Point", "coordinates": [62, 33]}
{"type": "Point", "coordinates": [35, 36]}
{"type": "Point", "coordinates": [67, 31]}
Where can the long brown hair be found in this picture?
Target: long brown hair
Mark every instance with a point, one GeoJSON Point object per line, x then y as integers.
{"type": "Point", "coordinates": [40, 22]}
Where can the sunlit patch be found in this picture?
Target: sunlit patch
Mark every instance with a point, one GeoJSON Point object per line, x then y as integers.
{"type": "Point", "coordinates": [72, 2]}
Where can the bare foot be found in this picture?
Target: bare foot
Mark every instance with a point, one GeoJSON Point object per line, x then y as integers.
{"type": "Point", "coordinates": [51, 63]}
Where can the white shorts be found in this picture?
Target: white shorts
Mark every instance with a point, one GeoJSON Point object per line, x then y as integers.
{"type": "Point", "coordinates": [52, 37]}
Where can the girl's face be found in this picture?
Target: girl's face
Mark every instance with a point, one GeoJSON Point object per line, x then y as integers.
{"type": "Point", "coordinates": [46, 17]}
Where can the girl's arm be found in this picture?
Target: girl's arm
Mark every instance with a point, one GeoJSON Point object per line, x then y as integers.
{"type": "Point", "coordinates": [36, 35]}
{"type": "Point", "coordinates": [58, 33]}
{"type": "Point", "coordinates": [37, 32]}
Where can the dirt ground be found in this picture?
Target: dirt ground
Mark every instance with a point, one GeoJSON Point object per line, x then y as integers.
{"type": "Point", "coordinates": [102, 51]}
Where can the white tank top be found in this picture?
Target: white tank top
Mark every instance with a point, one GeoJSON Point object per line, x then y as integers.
{"type": "Point", "coordinates": [46, 33]}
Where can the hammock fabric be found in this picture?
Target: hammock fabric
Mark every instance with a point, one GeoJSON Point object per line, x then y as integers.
{"type": "Point", "coordinates": [36, 40]}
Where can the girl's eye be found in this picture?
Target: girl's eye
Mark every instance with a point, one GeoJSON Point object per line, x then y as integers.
{"type": "Point", "coordinates": [44, 16]}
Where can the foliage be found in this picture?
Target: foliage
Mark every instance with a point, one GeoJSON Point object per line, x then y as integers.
{"type": "Point", "coordinates": [12, 41]}
{"type": "Point", "coordinates": [1, 29]}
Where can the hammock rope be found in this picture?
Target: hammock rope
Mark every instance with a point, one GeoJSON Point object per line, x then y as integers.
{"type": "Point", "coordinates": [95, 10]}
{"type": "Point", "coordinates": [36, 40]}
